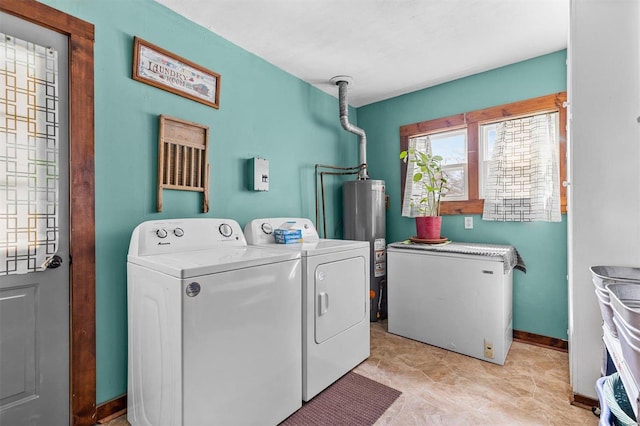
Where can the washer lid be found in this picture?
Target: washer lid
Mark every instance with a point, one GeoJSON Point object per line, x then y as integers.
{"type": "Point", "coordinates": [189, 264]}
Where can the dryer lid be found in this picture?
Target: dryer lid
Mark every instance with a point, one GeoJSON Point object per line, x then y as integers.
{"type": "Point", "coordinates": [320, 247]}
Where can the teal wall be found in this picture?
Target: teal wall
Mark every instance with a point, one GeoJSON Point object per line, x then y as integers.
{"type": "Point", "coordinates": [269, 113]}
{"type": "Point", "coordinates": [263, 112]}
{"type": "Point", "coordinates": [540, 295]}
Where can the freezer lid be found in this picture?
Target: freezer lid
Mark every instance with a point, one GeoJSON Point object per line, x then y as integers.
{"type": "Point", "coordinates": [508, 254]}
{"type": "Point", "coordinates": [196, 263]}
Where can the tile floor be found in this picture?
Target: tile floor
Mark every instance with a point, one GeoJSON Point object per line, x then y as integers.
{"type": "Point", "coordinates": [444, 388]}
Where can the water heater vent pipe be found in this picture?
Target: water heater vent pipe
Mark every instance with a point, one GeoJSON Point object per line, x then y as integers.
{"type": "Point", "coordinates": [342, 81]}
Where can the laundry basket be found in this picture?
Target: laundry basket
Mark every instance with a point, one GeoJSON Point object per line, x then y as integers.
{"type": "Point", "coordinates": [606, 416]}
{"type": "Point", "coordinates": [624, 299]}
{"type": "Point", "coordinates": [617, 402]}
{"type": "Point", "coordinates": [603, 275]}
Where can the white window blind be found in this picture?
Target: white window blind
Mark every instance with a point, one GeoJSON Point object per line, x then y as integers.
{"type": "Point", "coordinates": [522, 182]}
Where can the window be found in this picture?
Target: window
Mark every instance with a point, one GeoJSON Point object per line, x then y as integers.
{"type": "Point", "coordinates": [452, 147]}
{"type": "Point", "coordinates": [30, 148]}
{"type": "Point", "coordinates": [475, 132]}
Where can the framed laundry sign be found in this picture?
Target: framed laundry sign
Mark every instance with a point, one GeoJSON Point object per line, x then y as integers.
{"type": "Point", "coordinates": [164, 70]}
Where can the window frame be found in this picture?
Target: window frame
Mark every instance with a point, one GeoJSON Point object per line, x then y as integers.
{"type": "Point", "coordinates": [471, 120]}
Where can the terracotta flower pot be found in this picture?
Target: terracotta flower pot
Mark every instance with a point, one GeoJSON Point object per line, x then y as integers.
{"type": "Point", "coordinates": [428, 227]}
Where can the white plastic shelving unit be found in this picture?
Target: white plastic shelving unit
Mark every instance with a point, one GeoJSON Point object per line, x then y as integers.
{"type": "Point", "coordinates": [630, 385]}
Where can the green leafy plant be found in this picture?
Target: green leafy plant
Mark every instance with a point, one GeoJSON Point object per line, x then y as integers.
{"type": "Point", "coordinates": [428, 173]}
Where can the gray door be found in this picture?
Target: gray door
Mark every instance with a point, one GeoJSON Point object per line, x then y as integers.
{"type": "Point", "coordinates": [34, 225]}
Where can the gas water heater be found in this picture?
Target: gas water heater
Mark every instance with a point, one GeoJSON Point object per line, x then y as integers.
{"type": "Point", "coordinates": [364, 220]}
{"type": "Point", "coordinates": [363, 214]}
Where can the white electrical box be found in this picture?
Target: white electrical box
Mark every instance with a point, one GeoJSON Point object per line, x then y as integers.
{"type": "Point", "coordinates": [259, 174]}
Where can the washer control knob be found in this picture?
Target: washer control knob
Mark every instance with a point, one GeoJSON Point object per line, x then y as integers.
{"type": "Point", "coordinates": [161, 233]}
{"type": "Point", "coordinates": [267, 228]}
{"type": "Point", "coordinates": [225, 230]}
{"type": "Point", "coordinates": [178, 232]}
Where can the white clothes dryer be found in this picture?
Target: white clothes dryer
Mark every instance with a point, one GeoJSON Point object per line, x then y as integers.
{"type": "Point", "coordinates": [335, 300]}
{"type": "Point", "coordinates": [214, 326]}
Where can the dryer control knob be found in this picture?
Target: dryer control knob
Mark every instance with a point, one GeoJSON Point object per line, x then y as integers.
{"type": "Point", "coordinates": [161, 233]}
{"type": "Point", "coordinates": [178, 232]}
{"type": "Point", "coordinates": [225, 229]}
{"type": "Point", "coordinates": [267, 228]}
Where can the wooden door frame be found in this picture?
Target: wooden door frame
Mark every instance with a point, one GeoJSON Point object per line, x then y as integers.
{"type": "Point", "coordinates": [82, 351]}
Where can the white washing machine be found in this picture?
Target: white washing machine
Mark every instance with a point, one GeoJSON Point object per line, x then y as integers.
{"type": "Point", "coordinates": [335, 300]}
{"type": "Point", "coordinates": [214, 326]}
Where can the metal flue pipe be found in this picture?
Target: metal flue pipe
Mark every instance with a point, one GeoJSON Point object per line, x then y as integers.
{"type": "Point", "coordinates": [342, 82]}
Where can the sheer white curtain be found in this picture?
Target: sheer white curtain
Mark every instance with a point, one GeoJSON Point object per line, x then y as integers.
{"type": "Point", "coordinates": [413, 191]}
{"type": "Point", "coordinates": [523, 183]}
{"type": "Point", "coordinates": [28, 155]}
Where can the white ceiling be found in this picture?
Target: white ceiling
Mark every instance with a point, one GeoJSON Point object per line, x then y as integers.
{"type": "Point", "coordinates": [389, 47]}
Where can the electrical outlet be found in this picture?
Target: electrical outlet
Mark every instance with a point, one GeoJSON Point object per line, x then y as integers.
{"type": "Point", "coordinates": [468, 222]}
{"type": "Point", "coordinates": [488, 349]}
